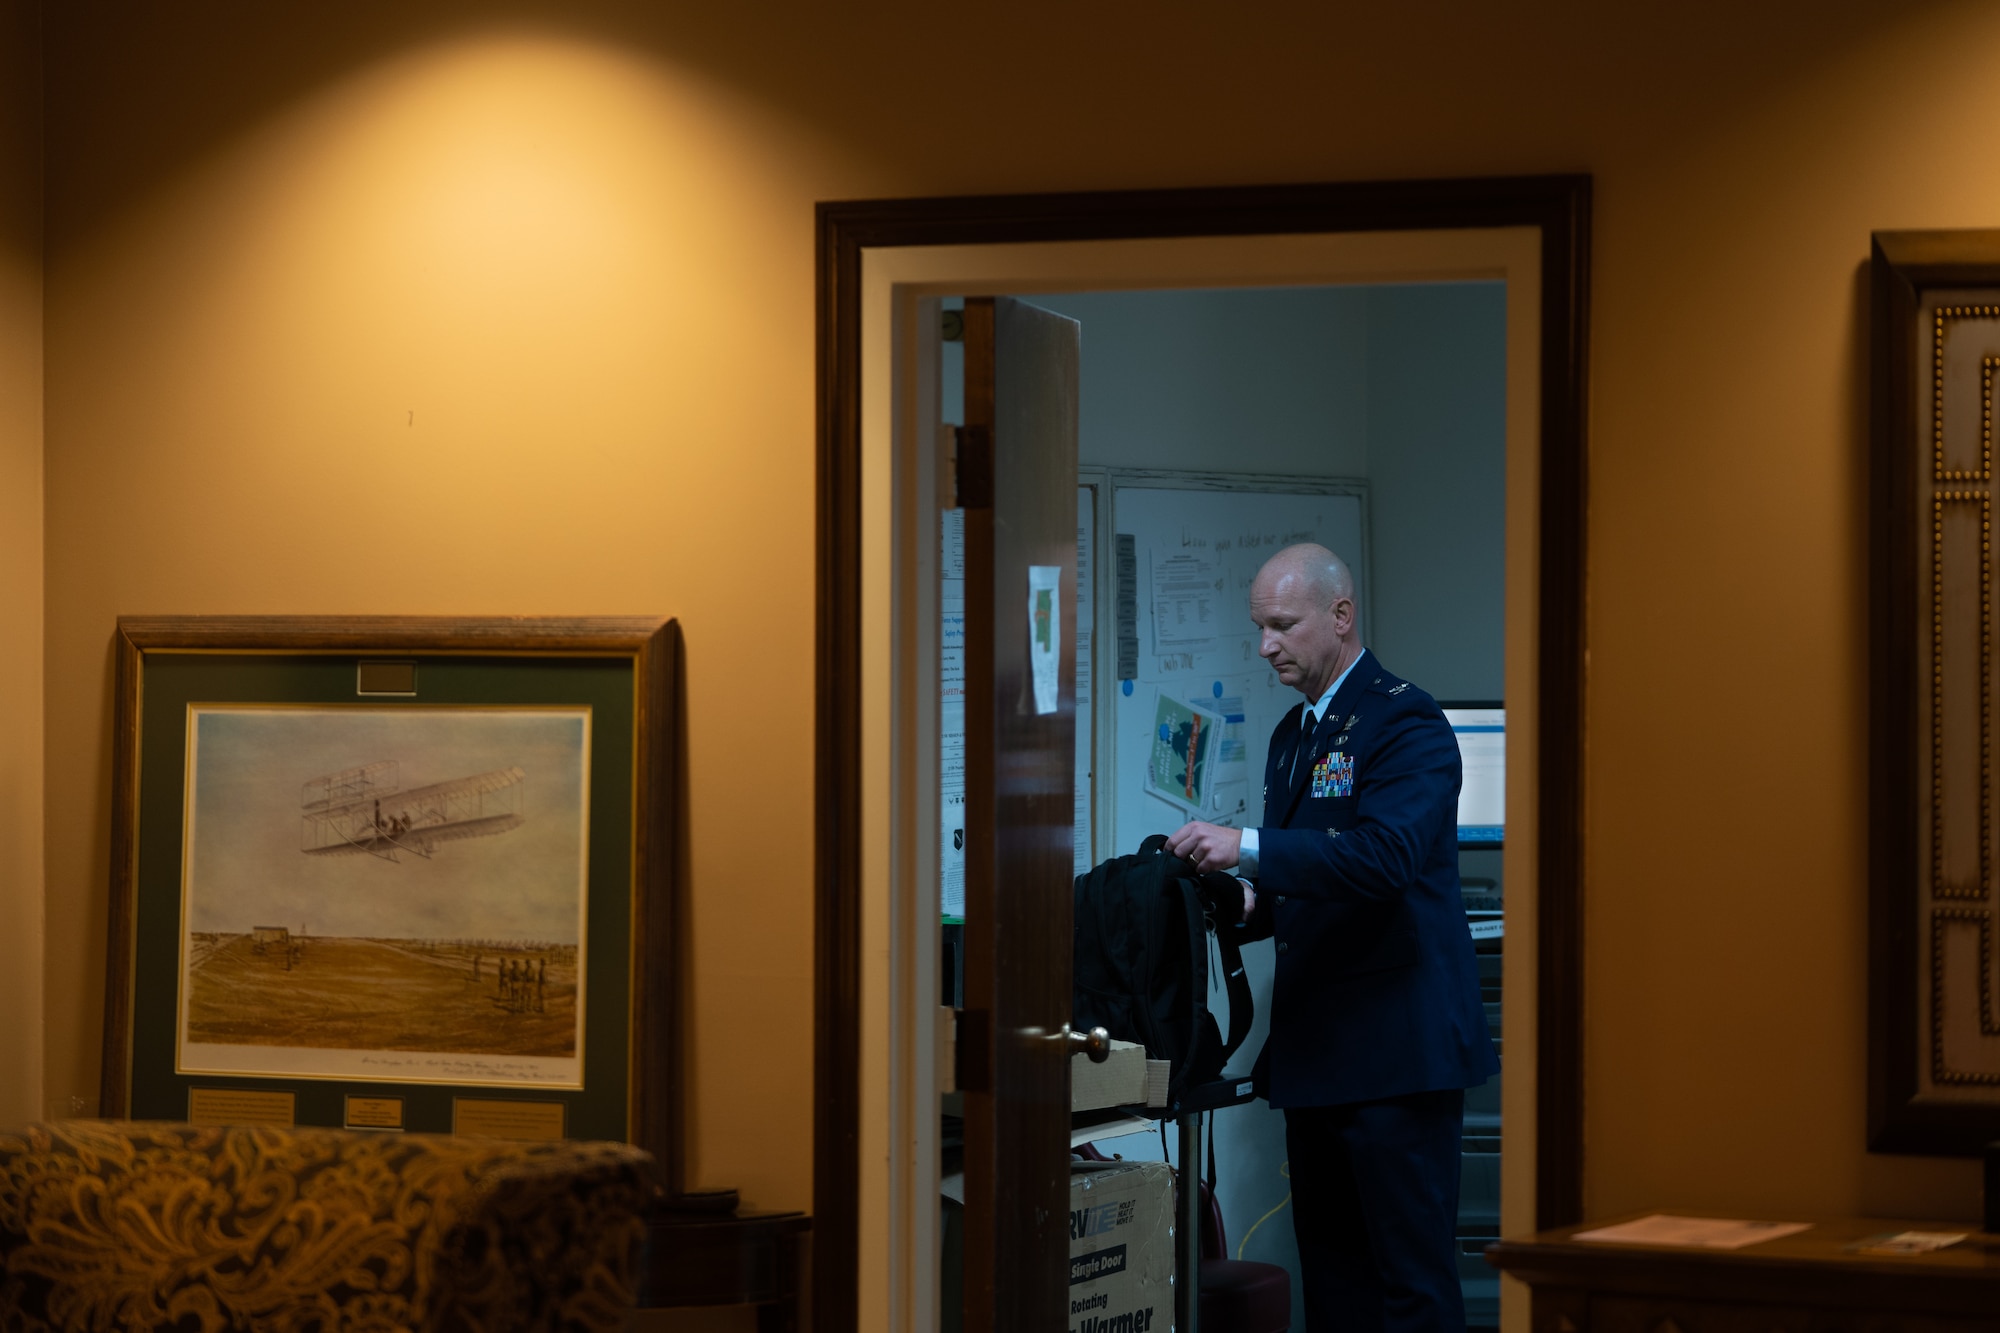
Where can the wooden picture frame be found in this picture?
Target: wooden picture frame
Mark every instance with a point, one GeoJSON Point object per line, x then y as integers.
{"type": "Point", "coordinates": [498, 951]}
{"type": "Point", "coordinates": [1933, 1016]}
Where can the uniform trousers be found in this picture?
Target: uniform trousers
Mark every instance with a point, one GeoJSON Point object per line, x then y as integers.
{"type": "Point", "coordinates": [1375, 1210]}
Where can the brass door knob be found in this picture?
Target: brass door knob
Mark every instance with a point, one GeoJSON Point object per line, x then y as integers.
{"type": "Point", "coordinates": [1095, 1043]}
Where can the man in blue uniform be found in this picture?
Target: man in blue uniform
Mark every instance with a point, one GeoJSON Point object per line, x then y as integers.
{"type": "Point", "coordinates": [1376, 1024]}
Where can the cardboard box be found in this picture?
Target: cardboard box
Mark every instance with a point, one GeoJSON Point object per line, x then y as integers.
{"type": "Point", "coordinates": [1121, 1247]}
{"type": "Point", "coordinates": [1119, 1081]}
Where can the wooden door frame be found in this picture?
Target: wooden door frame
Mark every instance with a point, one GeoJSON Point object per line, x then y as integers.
{"type": "Point", "coordinates": [1559, 206]}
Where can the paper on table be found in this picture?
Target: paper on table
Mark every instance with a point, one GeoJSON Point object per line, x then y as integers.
{"type": "Point", "coordinates": [1708, 1233]}
{"type": "Point", "coordinates": [1908, 1242]}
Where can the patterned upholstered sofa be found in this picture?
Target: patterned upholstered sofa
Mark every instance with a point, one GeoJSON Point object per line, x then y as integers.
{"type": "Point", "coordinates": [111, 1225]}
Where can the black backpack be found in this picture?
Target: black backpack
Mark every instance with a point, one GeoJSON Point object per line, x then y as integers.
{"type": "Point", "coordinates": [1141, 966]}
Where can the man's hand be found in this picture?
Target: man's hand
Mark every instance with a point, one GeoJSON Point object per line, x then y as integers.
{"type": "Point", "coordinates": [1206, 846]}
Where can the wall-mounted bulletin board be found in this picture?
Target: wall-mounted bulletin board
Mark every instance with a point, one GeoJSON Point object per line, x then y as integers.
{"type": "Point", "coordinates": [1166, 656]}
{"type": "Point", "coordinates": [1184, 704]}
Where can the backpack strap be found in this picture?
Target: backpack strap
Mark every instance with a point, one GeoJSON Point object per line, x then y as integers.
{"type": "Point", "coordinates": [1237, 983]}
{"type": "Point", "coordinates": [1217, 884]}
{"type": "Point", "coordinates": [1197, 979]}
{"type": "Point", "coordinates": [1150, 865]}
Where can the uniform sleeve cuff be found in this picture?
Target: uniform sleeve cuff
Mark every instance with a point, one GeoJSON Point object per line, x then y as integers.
{"type": "Point", "coordinates": [1246, 857]}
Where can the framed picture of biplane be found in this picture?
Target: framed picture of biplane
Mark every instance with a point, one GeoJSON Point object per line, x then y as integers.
{"type": "Point", "coordinates": [396, 873]}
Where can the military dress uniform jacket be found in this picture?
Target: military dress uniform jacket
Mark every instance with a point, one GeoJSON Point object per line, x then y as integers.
{"type": "Point", "coordinates": [1376, 991]}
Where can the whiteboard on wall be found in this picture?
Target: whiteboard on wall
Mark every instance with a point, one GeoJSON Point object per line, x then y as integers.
{"type": "Point", "coordinates": [1197, 542]}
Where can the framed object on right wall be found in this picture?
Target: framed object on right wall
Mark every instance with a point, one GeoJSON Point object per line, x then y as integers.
{"type": "Point", "coordinates": [1934, 999]}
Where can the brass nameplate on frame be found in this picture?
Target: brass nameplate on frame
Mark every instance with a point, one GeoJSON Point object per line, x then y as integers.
{"type": "Point", "coordinates": [385, 678]}
{"type": "Point", "coordinates": [374, 1113]}
{"type": "Point", "coordinates": [481, 1117]}
{"type": "Point", "coordinates": [240, 1106]}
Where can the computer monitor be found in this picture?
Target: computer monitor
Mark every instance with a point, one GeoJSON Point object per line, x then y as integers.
{"type": "Point", "coordinates": [1481, 729]}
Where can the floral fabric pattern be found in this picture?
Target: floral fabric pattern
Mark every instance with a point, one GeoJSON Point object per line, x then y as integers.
{"type": "Point", "coordinates": [123, 1226]}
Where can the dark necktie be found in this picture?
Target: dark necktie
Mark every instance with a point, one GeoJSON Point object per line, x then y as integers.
{"type": "Point", "coordinates": [1307, 725]}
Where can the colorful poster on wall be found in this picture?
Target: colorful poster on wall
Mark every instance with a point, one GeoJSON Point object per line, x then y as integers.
{"type": "Point", "coordinates": [1181, 766]}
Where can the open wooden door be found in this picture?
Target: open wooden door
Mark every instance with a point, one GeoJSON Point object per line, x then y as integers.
{"type": "Point", "coordinates": [1017, 483]}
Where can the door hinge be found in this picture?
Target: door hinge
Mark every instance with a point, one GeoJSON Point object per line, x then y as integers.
{"type": "Point", "coordinates": [975, 467]}
{"type": "Point", "coordinates": [975, 1051]}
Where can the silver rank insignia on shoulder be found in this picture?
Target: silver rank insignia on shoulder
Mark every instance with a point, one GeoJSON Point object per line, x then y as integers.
{"type": "Point", "coordinates": [1400, 688]}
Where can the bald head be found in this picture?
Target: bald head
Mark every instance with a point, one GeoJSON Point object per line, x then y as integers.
{"type": "Point", "coordinates": [1302, 601]}
{"type": "Point", "coordinates": [1322, 573]}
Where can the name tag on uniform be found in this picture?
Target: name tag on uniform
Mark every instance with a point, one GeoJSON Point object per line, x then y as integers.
{"type": "Point", "coordinates": [1333, 776]}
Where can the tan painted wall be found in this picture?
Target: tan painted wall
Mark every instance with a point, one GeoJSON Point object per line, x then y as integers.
{"type": "Point", "coordinates": [21, 558]}
{"type": "Point", "coordinates": [582, 258]}
{"type": "Point", "coordinates": [494, 324]}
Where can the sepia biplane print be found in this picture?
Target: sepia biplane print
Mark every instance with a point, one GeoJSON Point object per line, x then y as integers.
{"type": "Point", "coordinates": [393, 893]}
